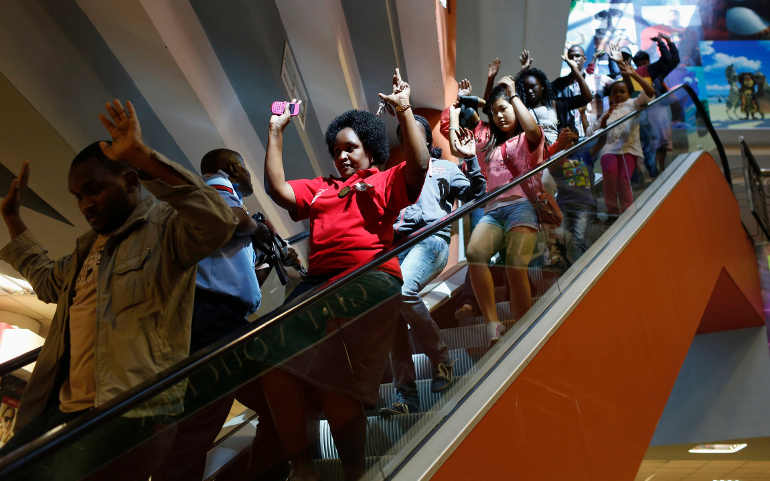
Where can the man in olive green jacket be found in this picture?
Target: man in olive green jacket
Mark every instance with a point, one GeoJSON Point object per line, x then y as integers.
{"type": "Point", "coordinates": [125, 295]}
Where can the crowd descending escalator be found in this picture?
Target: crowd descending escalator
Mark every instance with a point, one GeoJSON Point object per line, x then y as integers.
{"type": "Point", "coordinates": [331, 321]}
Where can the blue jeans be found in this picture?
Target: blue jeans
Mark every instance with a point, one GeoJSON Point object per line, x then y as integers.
{"type": "Point", "coordinates": [521, 213]}
{"type": "Point", "coordinates": [476, 215]}
{"type": "Point", "coordinates": [576, 219]}
{"type": "Point", "coordinates": [419, 265]}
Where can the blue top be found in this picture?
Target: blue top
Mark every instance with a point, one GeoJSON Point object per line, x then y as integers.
{"type": "Point", "coordinates": [444, 183]}
{"type": "Point", "coordinates": [230, 270]}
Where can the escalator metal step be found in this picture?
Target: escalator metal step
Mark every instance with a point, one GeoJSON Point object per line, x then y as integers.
{"type": "Point", "coordinates": [473, 336]}
{"type": "Point", "coordinates": [381, 434]}
{"type": "Point", "coordinates": [472, 333]}
{"type": "Point", "coordinates": [427, 398]}
{"type": "Point", "coordinates": [423, 367]}
{"type": "Point", "coordinates": [465, 345]}
{"type": "Point", "coordinates": [331, 469]}
{"type": "Point", "coordinates": [503, 312]}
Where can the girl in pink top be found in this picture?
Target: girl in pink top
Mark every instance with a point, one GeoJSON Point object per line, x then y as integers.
{"type": "Point", "coordinates": [507, 148]}
{"type": "Point", "coordinates": [622, 150]}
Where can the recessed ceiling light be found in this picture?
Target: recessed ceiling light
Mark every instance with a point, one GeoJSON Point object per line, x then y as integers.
{"type": "Point", "coordinates": [717, 448]}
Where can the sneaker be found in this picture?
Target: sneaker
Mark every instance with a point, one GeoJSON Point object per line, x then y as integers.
{"type": "Point", "coordinates": [494, 331]}
{"type": "Point", "coordinates": [407, 401]}
{"type": "Point", "coordinates": [443, 376]}
{"type": "Point", "coordinates": [395, 409]}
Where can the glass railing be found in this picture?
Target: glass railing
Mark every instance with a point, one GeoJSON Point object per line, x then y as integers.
{"type": "Point", "coordinates": [29, 357]}
{"type": "Point", "coordinates": [336, 373]}
{"type": "Point", "coordinates": [754, 178]}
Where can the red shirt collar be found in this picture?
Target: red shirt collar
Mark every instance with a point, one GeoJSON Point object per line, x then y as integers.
{"type": "Point", "coordinates": [359, 174]}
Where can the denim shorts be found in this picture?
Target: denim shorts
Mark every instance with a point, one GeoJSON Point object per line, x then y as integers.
{"type": "Point", "coordinates": [519, 214]}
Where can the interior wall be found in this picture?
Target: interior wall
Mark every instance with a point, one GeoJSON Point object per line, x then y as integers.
{"type": "Point", "coordinates": [502, 28]}
{"type": "Point", "coordinates": [722, 390]}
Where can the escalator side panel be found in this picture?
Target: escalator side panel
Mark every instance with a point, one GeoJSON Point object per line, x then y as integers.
{"type": "Point", "coordinates": [586, 406]}
{"type": "Point", "coordinates": [723, 313]}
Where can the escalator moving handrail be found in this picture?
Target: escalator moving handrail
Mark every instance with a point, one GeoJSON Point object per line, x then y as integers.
{"type": "Point", "coordinates": [753, 166]}
{"type": "Point", "coordinates": [19, 361]}
{"type": "Point", "coordinates": [710, 127]}
{"type": "Point", "coordinates": [174, 374]}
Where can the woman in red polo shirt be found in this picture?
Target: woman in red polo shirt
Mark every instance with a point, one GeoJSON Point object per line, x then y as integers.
{"type": "Point", "coordinates": [351, 221]}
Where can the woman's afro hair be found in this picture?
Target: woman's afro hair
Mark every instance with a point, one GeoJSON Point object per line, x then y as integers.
{"type": "Point", "coordinates": [542, 78]}
{"type": "Point", "coordinates": [368, 127]}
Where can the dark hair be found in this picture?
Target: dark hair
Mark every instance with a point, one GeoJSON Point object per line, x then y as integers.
{"type": "Point", "coordinates": [434, 151]}
{"type": "Point", "coordinates": [211, 161]}
{"type": "Point", "coordinates": [641, 56]}
{"type": "Point", "coordinates": [497, 136]}
{"type": "Point", "coordinates": [94, 152]}
{"type": "Point", "coordinates": [577, 45]}
{"type": "Point", "coordinates": [608, 88]}
{"type": "Point", "coordinates": [540, 76]}
{"type": "Point", "coordinates": [369, 129]}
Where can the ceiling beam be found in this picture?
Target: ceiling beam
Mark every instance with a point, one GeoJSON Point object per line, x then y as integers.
{"type": "Point", "coordinates": [133, 38]}
{"type": "Point", "coordinates": [188, 45]}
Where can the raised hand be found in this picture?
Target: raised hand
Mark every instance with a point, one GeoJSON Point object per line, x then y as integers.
{"type": "Point", "coordinates": [625, 68]}
{"type": "Point", "coordinates": [399, 98]}
{"type": "Point", "coordinates": [510, 82]}
{"type": "Point", "coordinates": [12, 200]}
{"type": "Point", "coordinates": [613, 50]}
{"type": "Point", "coordinates": [278, 123]}
{"type": "Point", "coordinates": [566, 139]}
{"type": "Point", "coordinates": [464, 144]}
{"type": "Point", "coordinates": [526, 59]}
{"type": "Point", "coordinates": [464, 87]}
{"type": "Point", "coordinates": [572, 65]}
{"type": "Point", "coordinates": [494, 68]}
{"type": "Point", "coordinates": [123, 126]}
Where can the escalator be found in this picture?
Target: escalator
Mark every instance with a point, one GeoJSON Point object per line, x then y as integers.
{"type": "Point", "coordinates": [574, 388]}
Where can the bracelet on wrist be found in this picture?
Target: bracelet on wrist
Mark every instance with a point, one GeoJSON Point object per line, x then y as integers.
{"type": "Point", "coordinates": [402, 108]}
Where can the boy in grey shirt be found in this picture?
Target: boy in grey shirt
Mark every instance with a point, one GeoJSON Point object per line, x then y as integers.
{"type": "Point", "coordinates": [444, 183]}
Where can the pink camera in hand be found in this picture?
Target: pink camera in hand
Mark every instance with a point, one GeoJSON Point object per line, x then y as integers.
{"type": "Point", "coordinates": [280, 106]}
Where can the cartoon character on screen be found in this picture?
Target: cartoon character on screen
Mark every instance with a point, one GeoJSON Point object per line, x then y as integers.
{"type": "Point", "coordinates": [748, 95]}
{"type": "Point", "coordinates": [734, 97]}
{"type": "Point", "coordinates": [762, 93]}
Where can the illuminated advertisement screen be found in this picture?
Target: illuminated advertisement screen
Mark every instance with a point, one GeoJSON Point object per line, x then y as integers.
{"type": "Point", "coordinates": [724, 48]}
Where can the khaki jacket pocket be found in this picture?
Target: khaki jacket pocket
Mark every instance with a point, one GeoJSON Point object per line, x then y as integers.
{"type": "Point", "coordinates": [129, 283]}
